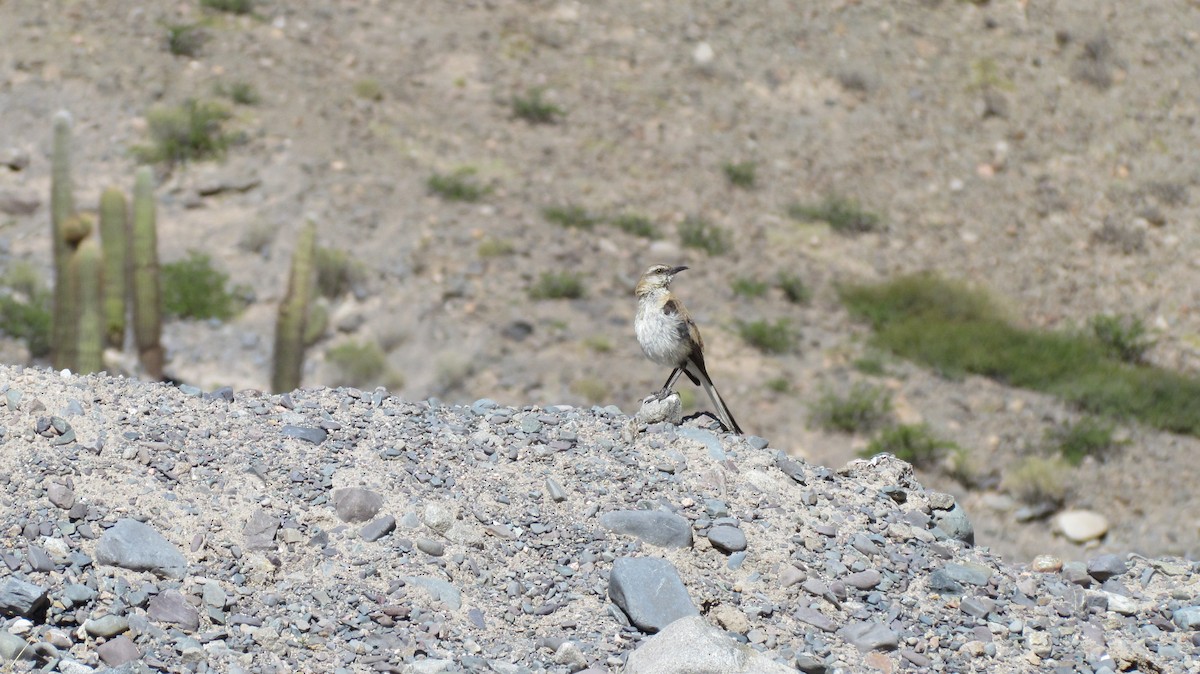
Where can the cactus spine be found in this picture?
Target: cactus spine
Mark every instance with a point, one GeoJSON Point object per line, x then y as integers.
{"type": "Point", "coordinates": [293, 314]}
{"type": "Point", "coordinates": [87, 271]}
{"type": "Point", "coordinates": [62, 207]}
{"type": "Point", "coordinates": [114, 231]}
{"type": "Point", "coordinates": [147, 300]}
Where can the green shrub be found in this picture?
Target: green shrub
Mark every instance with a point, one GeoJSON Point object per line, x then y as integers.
{"type": "Point", "coordinates": [794, 289]}
{"type": "Point", "coordinates": [192, 288]}
{"type": "Point", "coordinates": [843, 215]}
{"type": "Point", "coordinates": [458, 185]}
{"type": "Point", "coordinates": [696, 232]}
{"type": "Point", "coordinates": [534, 109]}
{"type": "Point", "coordinates": [767, 337]}
{"type": "Point", "coordinates": [493, 247]}
{"type": "Point", "coordinates": [637, 225]}
{"type": "Point", "coordinates": [368, 88]}
{"type": "Point", "coordinates": [1039, 481]}
{"type": "Point", "coordinates": [1087, 437]}
{"type": "Point", "coordinates": [185, 39]}
{"type": "Point", "coordinates": [557, 286]}
{"type": "Point", "coordinates": [230, 6]}
{"type": "Point", "coordinates": [914, 443]}
{"type": "Point", "coordinates": [593, 390]}
{"type": "Point", "coordinates": [779, 384]}
{"type": "Point", "coordinates": [741, 174]}
{"type": "Point", "coordinates": [862, 409]}
{"type": "Point", "coordinates": [1123, 337]}
{"type": "Point", "coordinates": [571, 216]}
{"type": "Point", "coordinates": [748, 287]}
{"type": "Point", "coordinates": [871, 364]}
{"type": "Point", "coordinates": [191, 131]}
{"type": "Point", "coordinates": [240, 92]}
{"type": "Point", "coordinates": [359, 364]}
{"type": "Point", "coordinates": [956, 330]}
{"type": "Point", "coordinates": [337, 273]}
{"type": "Point", "coordinates": [25, 308]}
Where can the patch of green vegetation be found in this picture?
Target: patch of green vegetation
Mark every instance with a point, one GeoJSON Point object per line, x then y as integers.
{"type": "Point", "coordinates": [193, 288]}
{"type": "Point", "coordinates": [25, 308]}
{"type": "Point", "coordinates": [590, 389]}
{"type": "Point", "coordinates": [185, 39]}
{"type": "Point", "coordinates": [637, 225]}
{"type": "Point", "coordinates": [985, 74]}
{"type": "Point", "coordinates": [741, 174]}
{"type": "Point", "coordinates": [240, 92]}
{"type": "Point", "coordinates": [571, 216]}
{"type": "Point", "coordinates": [914, 443]}
{"type": "Point", "coordinates": [458, 185]}
{"type": "Point", "coordinates": [557, 286]}
{"type": "Point", "coordinates": [862, 409]}
{"type": "Point", "coordinates": [493, 247]}
{"type": "Point", "coordinates": [534, 109]}
{"type": "Point", "coordinates": [599, 344]}
{"type": "Point", "coordinates": [779, 384]}
{"type": "Point", "coordinates": [191, 131]}
{"type": "Point", "coordinates": [1087, 437]}
{"type": "Point", "coordinates": [871, 363]}
{"type": "Point", "coordinates": [361, 364]}
{"type": "Point", "coordinates": [1124, 337]}
{"type": "Point", "coordinates": [1039, 481]}
{"type": "Point", "coordinates": [229, 6]}
{"type": "Point", "coordinates": [258, 237]}
{"type": "Point", "coordinates": [794, 289]}
{"type": "Point", "coordinates": [368, 88]}
{"type": "Point", "coordinates": [337, 272]}
{"type": "Point", "coordinates": [957, 330]}
{"type": "Point", "coordinates": [695, 232]}
{"type": "Point", "coordinates": [844, 216]}
{"type": "Point", "coordinates": [767, 337]}
{"type": "Point", "coordinates": [748, 287]}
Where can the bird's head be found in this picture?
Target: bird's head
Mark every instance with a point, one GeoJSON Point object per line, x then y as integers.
{"type": "Point", "coordinates": [656, 277]}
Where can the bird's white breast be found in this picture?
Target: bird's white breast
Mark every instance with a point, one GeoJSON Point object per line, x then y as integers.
{"type": "Point", "coordinates": [659, 334]}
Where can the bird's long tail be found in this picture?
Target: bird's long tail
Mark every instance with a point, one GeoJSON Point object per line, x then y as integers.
{"type": "Point", "coordinates": [718, 402]}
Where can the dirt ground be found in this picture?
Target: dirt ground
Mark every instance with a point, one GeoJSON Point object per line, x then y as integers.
{"type": "Point", "coordinates": [1044, 150]}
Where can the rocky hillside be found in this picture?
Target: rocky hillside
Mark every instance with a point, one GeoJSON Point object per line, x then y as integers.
{"type": "Point", "coordinates": [151, 528]}
{"type": "Point", "coordinates": [1042, 150]}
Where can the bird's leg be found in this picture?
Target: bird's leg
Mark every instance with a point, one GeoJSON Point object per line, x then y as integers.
{"type": "Point", "coordinates": [666, 389]}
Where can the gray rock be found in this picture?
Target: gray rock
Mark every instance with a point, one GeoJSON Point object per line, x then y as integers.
{"type": "Point", "coordinates": [107, 626]}
{"type": "Point", "coordinates": [1077, 573]}
{"type": "Point", "coordinates": [438, 589]}
{"type": "Point", "coordinates": [118, 651]}
{"type": "Point", "coordinates": [356, 504]}
{"type": "Point", "coordinates": [815, 618]}
{"type": "Point", "coordinates": [870, 636]}
{"type": "Point", "coordinates": [13, 647]}
{"type": "Point", "coordinates": [172, 607]}
{"type": "Point", "coordinates": [260, 529]}
{"type": "Point", "coordinates": [313, 435]}
{"type": "Point", "coordinates": [654, 410]}
{"type": "Point", "coordinates": [864, 580]}
{"type": "Point", "coordinates": [656, 527]}
{"type": "Point", "coordinates": [78, 594]}
{"type": "Point", "coordinates": [1107, 566]}
{"type": "Point", "coordinates": [941, 583]}
{"type": "Point", "coordinates": [1187, 618]}
{"type": "Point", "coordinates": [649, 591]}
{"type": "Point", "coordinates": [437, 517]}
{"type": "Point", "coordinates": [969, 573]}
{"type": "Point", "coordinates": [955, 524]}
{"type": "Point", "coordinates": [377, 528]}
{"type": "Point", "coordinates": [810, 664]}
{"type": "Point", "coordinates": [977, 607]}
{"type": "Point", "coordinates": [132, 545]}
{"type": "Point", "coordinates": [727, 538]}
{"type": "Point", "coordinates": [61, 495]}
{"type": "Point", "coordinates": [19, 598]}
{"type": "Point", "coordinates": [431, 547]}
{"type": "Point", "coordinates": [708, 439]}
{"type": "Point", "coordinates": [555, 490]}
{"type": "Point", "coordinates": [691, 646]}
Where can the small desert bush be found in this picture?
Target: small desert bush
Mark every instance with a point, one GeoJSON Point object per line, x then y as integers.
{"type": "Point", "coordinates": [193, 288]}
{"type": "Point", "coordinates": [1123, 337]}
{"type": "Point", "coordinates": [25, 308]}
{"type": "Point", "coordinates": [185, 39]}
{"type": "Point", "coordinates": [699, 233]}
{"type": "Point", "coordinates": [359, 364]}
{"type": "Point", "coordinates": [458, 185]}
{"type": "Point", "coordinates": [794, 289]}
{"type": "Point", "coordinates": [747, 287]}
{"type": "Point", "coordinates": [240, 92]}
{"type": "Point", "coordinates": [493, 247]}
{"type": "Point", "coordinates": [229, 6]}
{"type": "Point", "coordinates": [557, 286]}
{"type": "Point", "coordinates": [637, 225]}
{"type": "Point", "coordinates": [534, 109]}
{"type": "Point", "coordinates": [914, 443]}
{"type": "Point", "coordinates": [766, 336]}
{"type": "Point", "coordinates": [337, 272]}
{"type": "Point", "coordinates": [741, 174]}
{"type": "Point", "coordinates": [862, 409]}
{"type": "Point", "coordinates": [1087, 437]}
{"type": "Point", "coordinates": [571, 216]}
{"type": "Point", "coordinates": [590, 389]}
{"type": "Point", "coordinates": [189, 132]}
{"type": "Point", "coordinates": [843, 215]}
{"type": "Point", "coordinates": [1039, 481]}
{"type": "Point", "coordinates": [368, 88]}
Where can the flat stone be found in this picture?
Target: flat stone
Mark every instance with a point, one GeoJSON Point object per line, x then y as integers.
{"type": "Point", "coordinates": [656, 527]}
{"type": "Point", "coordinates": [107, 626]}
{"type": "Point", "coordinates": [1107, 566]}
{"type": "Point", "coordinates": [976, 607]}
{"type": "Point", "coordinates": [727, 538]}
{"type": "Point", "coordinates": [118, 651]}
{"type": "Point", "coordinates": [19, 598]}
{"type": "Point", "coordinates": [870, 636]}
{"type": "Point", "coordinates": [314, 435]}
{"type": "Point", "coordinates": [356, 504]}
{"type": "Point", "coordinates": [1081, 526]}
{"type": "Point", "coordinates": [969, 573]}
{"type": "Point", "coordinates": [13, 647]}
{"type": "Point", "coordinates": [377, 528]}
{"type": "Point", "coordinates": [61, 495]}
{"type": "Point", "coordinates": [438, 590]}
{"type": "Point", "coordinates": [864, 580]}
{"type": "Point", "coordinates": [649, 591]}
{"type": "Point", "coordinates": [815, 618]}
{"type": "Point", "coordinates": [132, 545]}
{"type": "Point", "coordinates": [1046, 564]}
{"type": "Point", "coordinates": [259, 532]}
{"type": "Point", "coordinates": [1187, 618]}
{"type": "Point", "coordinates": [690, 645]}
{"type": "Point", "coordinates": [172, 607]}
{"type": "Point", "coordinates": [955, 524]}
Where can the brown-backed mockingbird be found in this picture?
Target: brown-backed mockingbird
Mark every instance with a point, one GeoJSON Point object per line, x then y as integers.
{"type": "Point", "coordinates": [669, 337]}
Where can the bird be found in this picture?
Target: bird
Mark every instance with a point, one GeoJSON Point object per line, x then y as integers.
{"type": "Point", "coordinates": [668, 336]}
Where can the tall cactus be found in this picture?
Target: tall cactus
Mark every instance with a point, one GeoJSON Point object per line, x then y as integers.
{"type": "Point", "coordinates": [114, 235]}
{"type": "Point", "coordinates": [67, 299]}
{"type": "Point", "coordinates": [293, 314]}
{"type": "Point", "coordinates": [62, 206]}
{"type": "Point", "coordinates": [87, 278]}
{"type": "Point", "coordinates": [147, 299]}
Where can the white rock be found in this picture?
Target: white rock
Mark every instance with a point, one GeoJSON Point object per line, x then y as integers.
{"type": "Point", "coordinates": [691, 646]}
{"type": "Point", "coordinates": [703, 54]}
{"type": "Point", "coordinates": [1081, 526]}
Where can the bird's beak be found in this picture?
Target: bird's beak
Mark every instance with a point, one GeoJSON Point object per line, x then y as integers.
{"type": "Point", "coordinates": [675, 270]}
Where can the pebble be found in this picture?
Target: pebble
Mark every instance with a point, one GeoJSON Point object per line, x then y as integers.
{"type": "Point", "coordinates": [118, 651]}
{"type": "Point", "coordinates": [1106, 566]}
{"type": "Point", "coordinates": [21, 598]}
{"type": "Point", "coordinates": [649, 591]}
{"type": "Point", "coordinates": [656, 527]}
{"type": "Point", "coordinates": [259, 531]}
{"type": "Point", "coordinates": [107, 626]}
{"type": "Point", "coordinates": [356, 504]}
{"type": "Point", "coordinates": [690, 645]}
{"type": "Point", "coordinates": [377, 528]}
{"type": "Point", "coordinates": [172, 607]}
{"type": "Point", "coordinates": [314, 435]}
{"type": "Point", "coordinates": [133, 545]}
{"type": "Point", "coordinates": [727, 538]}
{"type": "Point", "coordinates": [1187, 618]}
{"type": "Point", "coordinates": [1081, 526]}
{"type": "Point", "coordinates": [870, 636]}
{"type": "Point", "coordinates": [438, 590]}
{"type": "Point", "coordinates": [1046, 564]}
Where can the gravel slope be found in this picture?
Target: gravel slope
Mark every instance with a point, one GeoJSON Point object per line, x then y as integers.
{"type": "Point", "coordinates": [338, 530]}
